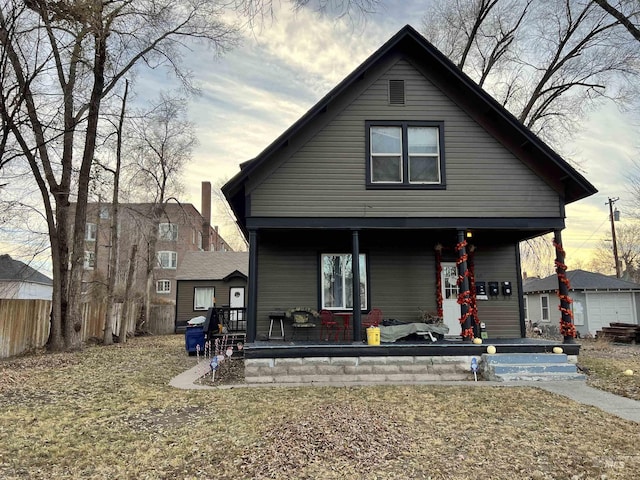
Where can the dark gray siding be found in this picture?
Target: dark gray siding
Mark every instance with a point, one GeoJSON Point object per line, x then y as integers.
{"type": "Point", "coordinates": [185, 293]}
{"type": "Point", "coordinates": [502, 314]}
{"type": "Point", "coordinates": [401, 275]}
{"type": "Point", "coordinates": [324, 175]}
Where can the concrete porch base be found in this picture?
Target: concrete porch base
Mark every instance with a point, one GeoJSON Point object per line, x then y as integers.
{"type": "Point", "coordinates": [383, 368]}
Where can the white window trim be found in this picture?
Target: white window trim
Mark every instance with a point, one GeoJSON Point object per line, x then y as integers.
{"type": "Point", "coordinates": [195, 296]}
{"type": "Point", "coordinates": [164, 283]}
{"type": "Point", "coordinates": [363, 299]}
{"type": "Point", "coordinates": [405, 156]}
{"type": "Point", "coordinates": [89, 260]}
{"type": "Point", "coordinates": [542, 319]}
{"type": "Point", "coordinates": [173, 259]}
{"type": "Point", "coordinates": [168, 232]}
{"type": "Point", "coordinates": [91, 232]}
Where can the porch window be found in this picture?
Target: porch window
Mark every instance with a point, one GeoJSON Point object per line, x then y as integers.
{"type": "Point", "coordinates": [337, 281]}
{"type": "Point", "coordinates": [204, 298]}
{"type": "Point", "coordinates": [405, 155]}
{"type": "Point", "coordinates": [544, 306]}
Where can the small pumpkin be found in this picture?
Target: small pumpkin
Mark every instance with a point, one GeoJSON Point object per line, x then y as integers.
{"type": "Point", "coordinates": [477, 341]}
{"type": "Point", "coordinates": [491, 349]}
{"type": "Point", "coordinates": [558, 350]}
{"type": "Point", "coordinates": [628, 372]}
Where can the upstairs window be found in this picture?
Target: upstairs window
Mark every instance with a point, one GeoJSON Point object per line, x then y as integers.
{"type": "Point", "coordinates": [91, 232]}
{"type": "Point", "coordinates": [89, 260]}
{"type": "Point", "coordinates": [168, 260]}
{"type": "Point", "coordinates": [168, 232]}
{"type": "Point", "coordinates": [405, 155]}
{"type": "Point", "coordinates": [104, 211]}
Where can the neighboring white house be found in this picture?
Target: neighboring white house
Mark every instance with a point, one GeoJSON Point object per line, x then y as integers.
{"type": "Point", "coordinates": [19, 281]}
{"type": "Point", "coordinates": [598, 301]}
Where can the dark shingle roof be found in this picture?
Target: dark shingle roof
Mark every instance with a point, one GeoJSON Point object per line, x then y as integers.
{"type": "Point", "coordinates": [580, 280]}
{"type": "Point", "coordinates": [16, 270]}
{"type": "Point", "coordinates": [212, 265]}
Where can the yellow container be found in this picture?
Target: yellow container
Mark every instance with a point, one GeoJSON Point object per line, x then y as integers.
{"type": "Point", "coordinates": [373, 336]}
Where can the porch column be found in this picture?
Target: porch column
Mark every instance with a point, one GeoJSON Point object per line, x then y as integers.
{"type": "Point", "coordinates": [355, 270]}
{"type": "Point", "coordinates": [252, 303]}
{"type": "Point", "coordinates": [464, 297]}
{"type": "Point", "coordinates": [567, 329]}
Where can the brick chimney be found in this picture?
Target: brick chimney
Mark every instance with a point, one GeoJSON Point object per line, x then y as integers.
{"type": "Point", "coordinates": [206, 215]}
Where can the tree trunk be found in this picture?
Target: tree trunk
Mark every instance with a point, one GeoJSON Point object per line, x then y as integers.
{"type": "Point", "coordinates": [74, 322]}
{"type": "Point", "coordinates": [124, 318]}
{"type": "Point", "coordinates": [115, 243]}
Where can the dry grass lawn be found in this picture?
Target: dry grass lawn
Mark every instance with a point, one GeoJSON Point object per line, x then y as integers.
{"type": "Point", "coordinates": [107, 413]}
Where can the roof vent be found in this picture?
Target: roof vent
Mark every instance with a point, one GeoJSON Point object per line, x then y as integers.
{"type": "Point", "coordinates": [396, 92]}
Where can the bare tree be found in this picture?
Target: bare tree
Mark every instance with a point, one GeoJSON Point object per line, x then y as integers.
{"type": "Point", "coordinates": [162, 141]}
{"type": "Point", "coordinates": [628, 240]}
{"type": "Point", "coordinates": [60, 61]}
{"type": "Point", "coordinates": [627, 12]}
{"type": "Point", "coordinates": [547, 61]}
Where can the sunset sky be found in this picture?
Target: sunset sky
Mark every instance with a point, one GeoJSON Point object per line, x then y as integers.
{"type": "Point", "coordinates": [256, 91]}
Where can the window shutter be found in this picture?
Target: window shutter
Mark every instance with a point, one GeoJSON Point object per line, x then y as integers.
{"type": "Point", "coordinates": [396, 92]}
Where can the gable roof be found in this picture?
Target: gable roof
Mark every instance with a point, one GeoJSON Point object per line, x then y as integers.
{"type": "Point", "coordinates": [580, 280]}
{"type": "Point", "coordinates": [212, 265]}
{"type": "Point", "coordinates": [15, 270]}
{"type": "Point", "coordinates": [409, 41]}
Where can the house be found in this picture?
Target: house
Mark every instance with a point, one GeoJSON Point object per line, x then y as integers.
{"type": "Point", "coordinates": [181, 229]}
{"type": "Point", "coordinates": [413, 169]}
{"type": "Point", "coordinates": [20, 281]}
{"type": "Point", "coordinates": [208, 279]}
{"type": "Point", "coordinates": [598, 300]}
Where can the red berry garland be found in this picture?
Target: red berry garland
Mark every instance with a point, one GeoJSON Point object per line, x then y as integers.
{"type": "Point", "coordinates": [567, 328]}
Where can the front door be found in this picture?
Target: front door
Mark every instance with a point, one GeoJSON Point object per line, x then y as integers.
{"type": "Point", "coordinates": [236, 300]}
{"type": "Point", "coordinates": [450, 290]}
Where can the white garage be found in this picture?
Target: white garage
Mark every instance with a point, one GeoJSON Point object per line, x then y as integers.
{"type": "Point", "coordinates": [598, 301]}
{"type": "Point", "coordinates": [605, 308]}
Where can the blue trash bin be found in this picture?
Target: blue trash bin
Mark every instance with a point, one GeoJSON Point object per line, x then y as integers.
{"type": "Point", "coordinates": [194, 336]}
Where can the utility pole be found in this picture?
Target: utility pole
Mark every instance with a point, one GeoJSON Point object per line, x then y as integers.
{"type": "Point", "coordinates": [613, 232]}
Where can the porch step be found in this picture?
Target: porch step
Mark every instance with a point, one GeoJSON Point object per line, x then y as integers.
{"type": "Point", "coordinates": [509, 367]}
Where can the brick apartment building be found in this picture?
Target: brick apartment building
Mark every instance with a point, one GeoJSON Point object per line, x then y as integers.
{"type": "Point", "coordinates": [181, 229]}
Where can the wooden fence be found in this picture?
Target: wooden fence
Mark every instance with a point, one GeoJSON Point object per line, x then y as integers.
{"type": "Point", "coordinates": [24, 324]}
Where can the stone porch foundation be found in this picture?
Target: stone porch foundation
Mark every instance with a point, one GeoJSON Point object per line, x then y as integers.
{"type": "Point", "coordinates": [380, 368]}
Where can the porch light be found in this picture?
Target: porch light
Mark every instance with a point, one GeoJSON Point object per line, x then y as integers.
{"type": "Point", "coordinates": [469, 234]}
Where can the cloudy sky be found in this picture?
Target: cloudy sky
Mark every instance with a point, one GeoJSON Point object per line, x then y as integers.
{"type": "Point", "coordinates": [256, 91]}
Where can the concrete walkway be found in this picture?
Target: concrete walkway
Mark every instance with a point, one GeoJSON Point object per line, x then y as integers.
{"type": "Point", "coordinates": [576, 390]}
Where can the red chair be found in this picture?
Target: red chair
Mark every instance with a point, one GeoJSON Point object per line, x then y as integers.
{"type": "Point", "coordinates": [328, 324]}
{"type": "Point", "coordinates": [373, 318]}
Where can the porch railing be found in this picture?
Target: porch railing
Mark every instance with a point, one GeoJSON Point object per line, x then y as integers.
{"type": "Point", "coordinates": [235, 319]}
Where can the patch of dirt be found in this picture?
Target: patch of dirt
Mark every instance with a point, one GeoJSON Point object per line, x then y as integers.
{"type": "Point", "coordinates": [230, 372]}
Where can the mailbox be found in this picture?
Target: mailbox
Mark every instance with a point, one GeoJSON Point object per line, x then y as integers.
{"type": "Point", "coordinates": [506, 289]}
{"type": "Point", "coordinates": [493, 289]}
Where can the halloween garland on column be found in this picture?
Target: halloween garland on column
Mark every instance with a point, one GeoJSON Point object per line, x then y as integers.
{"type": "Point", "coordinates": [567, 328]}
{"type": "Point", "coordinates": [464, 297]}
{"type": "Point", "coordinates": [473, 308]}
{"type": "Point", "coordinates": [438, 249]}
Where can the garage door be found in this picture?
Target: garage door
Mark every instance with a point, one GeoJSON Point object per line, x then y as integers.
{"type": "Point", "coordinates": [606, 308]}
